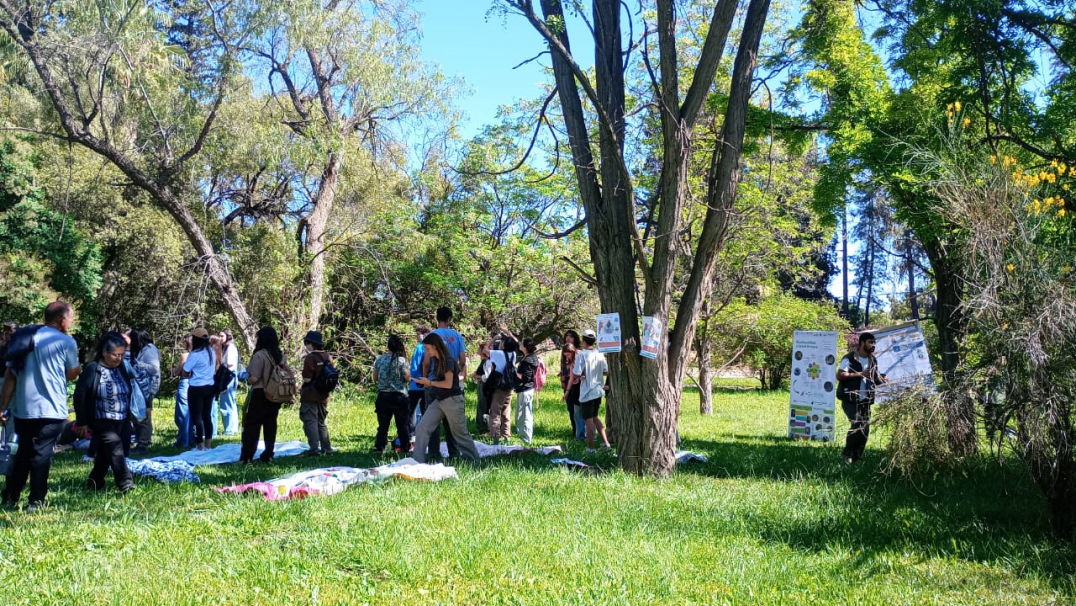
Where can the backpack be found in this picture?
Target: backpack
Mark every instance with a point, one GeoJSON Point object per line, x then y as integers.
{"type": "Point", "coordinates": [281, 386]}
{"type": "Point", "coordinates": [509, 381]}
{"type": "Point", "coordinates": [20, 345]}
{"type": "Point", "coordinates": [540, 375]}
{"type": "Point", "coordinates": [222, 379]}
{"type": "Point", "coordinates": [328, 379]}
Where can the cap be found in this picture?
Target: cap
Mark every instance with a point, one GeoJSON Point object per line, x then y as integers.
{"type": "Point", "coordinates": [200, 332]}
{"type": "Point", "coordinates": [590, 333]}
{"type": "Point", "coordinates": [314, 337]}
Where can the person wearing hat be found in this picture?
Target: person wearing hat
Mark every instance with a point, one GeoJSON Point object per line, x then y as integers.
{"type": "Point", "coordinates": [590, 371]}
{"type": "Point", "coordinates": [313, 405]}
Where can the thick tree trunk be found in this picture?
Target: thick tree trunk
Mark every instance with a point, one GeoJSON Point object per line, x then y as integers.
{"type": "Point", "coordinates": [317, 223]}
{"type": "Point", "coordinates": [952, 326]}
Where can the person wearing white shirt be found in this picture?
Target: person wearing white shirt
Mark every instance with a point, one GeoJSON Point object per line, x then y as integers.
{"type": "Point", "coordinates": [590, 370]}
{"type": "Point", "coordinates": [229, 412]}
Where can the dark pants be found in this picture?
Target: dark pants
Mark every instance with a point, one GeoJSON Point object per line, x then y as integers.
{"type": "Point", "coordinates": [858, 412]}
{"type": "Point", "coordinates": [392, 405]}
{"type": "Point", "coordinates": [261, 416]}
{"type": "Point", "coordinates": [434, 450]}
{"type": "Point", "coordinates": [571, 403]}
{"type": "Point", "coordinates": [483, 408]}
{"type": "Point", "coordinates": [113, 442]}
{"type": "Point", "coordinates": [144, 429]}
{"type": "Point", "coordinates": [37, 438]}
{"type": "Point", "coordinates": [200, 403]}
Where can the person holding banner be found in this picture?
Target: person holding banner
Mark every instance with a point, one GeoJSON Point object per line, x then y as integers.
{"type": "Point", "coordinates": [857, 376]}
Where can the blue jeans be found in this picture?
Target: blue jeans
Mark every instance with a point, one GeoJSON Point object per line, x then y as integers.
{"type": "Point", "coordinates": [183, 416]}
{"type": "Point", "coordinates": [580, 425]}
{"type": "Point", "coordinates": [229, 412]}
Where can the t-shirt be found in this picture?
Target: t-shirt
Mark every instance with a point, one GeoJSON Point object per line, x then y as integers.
{"type": "Point", "coordinates": [527, 367]}
{"type": "Point", "coordinates": [416, 366]}
{"type": "Point", "coordinates": [591, 365]}
{"type": "Point", "coordinates": [498, 360]}
{"type": "Point", "coordinates": [113, 394]}
{"type": "Point", "coordinates": [202, 364]}
{"type": "Point", "coordinates": [260, 367]}
{"type": "Point", "coordinates": [231, 357]}
{"type": "Point", "coordinates": [453, 341]}
{"type": "Point", "coordinates": [864, 386]}
{"type": "Point", "coordinates": [390, 373]}
{"type": "Point", "coordinates": [451, 367]}
{"type": "Point", "coordinates": [312, 365]}
{"type": "Point", "coordinates": [41, 388]}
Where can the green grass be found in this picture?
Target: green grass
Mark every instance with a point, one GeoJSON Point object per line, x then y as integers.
{"type": "Point", "coordinates": [766, 521]}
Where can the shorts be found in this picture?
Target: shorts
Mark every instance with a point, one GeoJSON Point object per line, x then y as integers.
{"type": "Point", "coordinates": [590, 408]}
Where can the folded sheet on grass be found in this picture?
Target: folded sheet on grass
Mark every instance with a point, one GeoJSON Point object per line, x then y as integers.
{"type": "Point", "coordinates": [332, 480]}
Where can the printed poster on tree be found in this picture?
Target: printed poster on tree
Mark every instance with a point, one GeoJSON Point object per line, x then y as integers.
{"type": "Point", "coordinates": [651, 337]}
{"type": "Point", "coordinates": [609, 332]}
{"type": "Point", "coordinates": [812, 410]}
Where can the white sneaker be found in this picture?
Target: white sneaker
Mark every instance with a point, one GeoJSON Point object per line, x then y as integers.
{"type": "Point", "coordinates": [590, 450]}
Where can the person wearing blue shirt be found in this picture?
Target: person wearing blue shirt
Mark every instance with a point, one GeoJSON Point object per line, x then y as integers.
{"type": "Point", "coordinates": [40, 403]}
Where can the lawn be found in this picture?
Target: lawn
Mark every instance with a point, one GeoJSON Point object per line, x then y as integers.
{"type": "Point", "coordinates": [766, 521]}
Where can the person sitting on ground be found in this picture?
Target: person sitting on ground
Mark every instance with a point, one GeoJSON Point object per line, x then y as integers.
{"type": "Point", "coordinates": [591, 369]}
{"type": "Point", "coordinates": [314, 405]}
{"type": "Point", "coordinates": [447, 401]}
{"type": "Point", "coordinates": [103, 399]}
{"type": "Point", "coordinates": [392, 376]}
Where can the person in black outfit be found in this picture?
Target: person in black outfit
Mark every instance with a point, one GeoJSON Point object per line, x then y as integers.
{"type": "Point", "coordinates": [857, 377]}
{"type": "Point", "coordinates": [103, 401]}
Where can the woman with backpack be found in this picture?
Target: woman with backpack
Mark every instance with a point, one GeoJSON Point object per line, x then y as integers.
{"type": "Point", "coordinates": [106, 398]}
{"type": "Point", "coordinates": [525, 372]}
{"type": "Point", "coordinates": [392, 375]}
{"type": "Point", "coordinates": [314, 402]}
{"type": "Point", "coordinates": [199, 369]}
{"type": "Point", "coordinates": [501, 381]}
{"type": "Point", "coordinates": [146, 360]}
{"type": "Point", "coordinates": [262, 412]}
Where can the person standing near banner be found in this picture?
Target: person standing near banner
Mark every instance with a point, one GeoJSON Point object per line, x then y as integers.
{"type": "Point", "coordinates": [857, 376]}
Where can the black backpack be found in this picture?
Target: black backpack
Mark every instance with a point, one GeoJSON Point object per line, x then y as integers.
{"type": "Point", "coordinates": [328, 379]}
{"type": "Point", "coordinates": [20, 345]}
{"type": "Point", "coordinates": [509, 380]}
{"type": "Point", "coordinates": [222, 379]}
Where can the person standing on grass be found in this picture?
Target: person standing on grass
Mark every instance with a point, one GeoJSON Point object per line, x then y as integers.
{"type": "Point", "coordinates": [416, 394]}
{"type": "Point", "coordinates": [456, 346]}
{"type": "Point", "coordinates": [314, 405]}
{"type": "Point", "coordinates": [570, 386]}
{"type": "Point", "coordinates": [590, 370]}
{"type": "Point", "coordinates": [525, 372]}
{"type": "Point", "coordinates": [146, 361]}
{"type": "Point", "coordinates": [500, 403]}
{"type": "Point", "coordinates": [857, 376]}
{"type": "Point", "coordinates": [229, 411]}
{"type": "Point", "coordinates": [200, 368]}
{"type": "Point", "coordinates": [261, 412]}
{"type": "Point", "coordinates": [103, 401]}
{"type": "Point", "coordinates": [447, 401]}
{"type": "Point", "coordinates": [9, 331]}
{"type": "Point", "coordinates": [481, 415]}
{"type": "Point", "coordinates": [37, 396]}
{"type": "Point", "coordinates": [392, 377]}
{"type": "Point", "coordinates": [183, 414]}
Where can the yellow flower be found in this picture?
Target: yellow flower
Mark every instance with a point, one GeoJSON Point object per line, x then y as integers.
{"type": "Point", "coordinates": [1066, 268]}
{"type": "Point", "coordinates": [967, 122]}
{"type": "Point", "coordinates": [957, 106]}
{"type": "Point", "coordinates": [1065, 187]}
{"type": "Point", "coordinates": [993, 159]}
{"type": "Point", "coordinates": [1061, 212]}
{"type": "Point", "coordinates": [1010, 267]}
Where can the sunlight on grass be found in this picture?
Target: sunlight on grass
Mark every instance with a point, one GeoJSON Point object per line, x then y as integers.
{"type": "Point", "coordinates": [766, 521]}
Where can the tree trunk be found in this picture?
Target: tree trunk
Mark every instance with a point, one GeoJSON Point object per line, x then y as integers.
{"type": "Point", "coordinates": [317, 223]}
{"type": "Point", "coordinates": [952, 326]}
{"type": "Point", "coordinates": [703, 348]}
{"type": "Point", "coordinates": [909, 265]}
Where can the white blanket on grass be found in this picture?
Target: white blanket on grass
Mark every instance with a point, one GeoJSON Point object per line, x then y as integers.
{"type": "Point", "coordinates": [333, 480]}
{"type": "Point", "coordinates": [229, 453]}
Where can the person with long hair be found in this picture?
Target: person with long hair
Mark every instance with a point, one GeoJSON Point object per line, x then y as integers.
{"type": "Point", "coordinates": [183, 413]}
{"type": "Point", "coordinates": [416, 394]}
{"type": "Point", "coordinates": [103, 398]}
{"type": "Point", "coordinates": [447, 401]}
{"type": "Point", "coordinates": [525, 372]}
{"type": "Point", "coordinates": [146, 361]}
{"type": "Point", "coordinates": [200, 369]}
{"type": "Point", "coordinates": [570, 386]}
{"type": "Point", "coordinates": [392, 374]}
{"type": "Point", "coordinates": [262, 413]}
